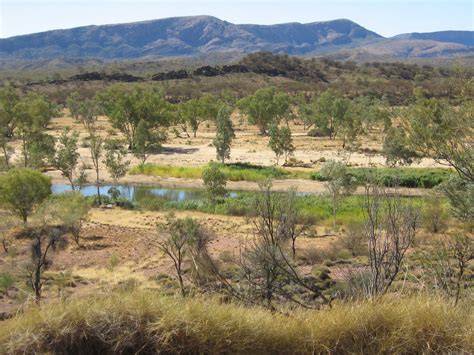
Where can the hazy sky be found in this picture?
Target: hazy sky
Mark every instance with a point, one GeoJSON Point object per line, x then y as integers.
{"type": "Point", "coordinates": [387, 17]}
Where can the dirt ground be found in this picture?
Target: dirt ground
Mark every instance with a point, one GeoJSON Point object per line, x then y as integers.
{"type": "Point", "coordinates": [118, 245]}
{"type": "Point", "coordinates": [248, 146]}
{"type": "Point", "coordinates": [129, 240]}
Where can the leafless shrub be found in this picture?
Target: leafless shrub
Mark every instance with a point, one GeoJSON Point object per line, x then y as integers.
{"type": "Point", "coordinates": [390, 227]}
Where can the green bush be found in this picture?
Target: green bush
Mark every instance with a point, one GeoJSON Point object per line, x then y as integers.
{"type": "Point", "coordinates": [404, 177]}
{"type": "Point", "coordinates": [6, 282]}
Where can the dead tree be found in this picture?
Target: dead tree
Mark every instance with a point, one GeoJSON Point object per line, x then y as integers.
{"type": "Point", "coordinates": [390, 227]}
{"type": "Point", "coordinates": [44, 240]}
{"type": "Point", "coordinates": [266, 269]}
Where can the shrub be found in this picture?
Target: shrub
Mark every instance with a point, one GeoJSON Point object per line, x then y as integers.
{"type": "Point", "coordinates": [435, 216]}
{"type": "Point", "coordinates": [404, 177]}
{"type": "Point", "coordinates": [6, 282]}
{"type": "Point", "coordinates": [353, 239]}
{"type": "Point", "coordinates": [147, 322]}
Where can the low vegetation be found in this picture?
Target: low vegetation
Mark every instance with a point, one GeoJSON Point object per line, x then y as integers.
{"type": "Point", "coordinates": [404, 177]}
{"type": "Point", "coordinates": [144, 321]}
{"type": "Point", "coordinates": [233, 172]}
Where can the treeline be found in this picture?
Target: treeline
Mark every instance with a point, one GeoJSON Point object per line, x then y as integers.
{"type": "Point", "coordinates": [393, 82]}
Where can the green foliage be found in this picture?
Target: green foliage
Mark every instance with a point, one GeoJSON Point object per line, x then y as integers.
{"type": "Point", "coordinates": [215, 181]}
{"type": "Point", "coordinates": [396, 148]}
{"type": "Point", "coordinates": [196, 111]}
{"type": "Point", "coordinates": [224, 133]}
{"type": "Point", "coordinates": [435, 216]}
{"type": "Point", "coordinates": [234, 172]}
{"type": "Point", "coordinates": [332, 114]}
{"type": "Point", "coordinates": [71, 210]}
{"type": "Point", "coordinates": [67, 155]}
{"type": "Point", "coordinates": [339, 183]}
{"type": "Point", "coordinates": [264, 108]}
{"type": "Point", "coordinates": [437, 129]}
{"type": "Point", "coordinates": [73, 103]}
{"type": "Point", "coordinates": [126, 107]}
{"type": "Point", "coordinates": [6, 282]}
{"type": "Point", "coordinates": [9, 98]}
{"type": "Point", "coordinates": [147, 141]}
{"type": "Point", "coordinates": [460, 194]}
{"type": "Point", "coordinates": [115, 162]}
{"type": "Point", "coordinates": [21, 190]}
{"type": "Point", "coordinates": [281, 142]}
{"type": "Point", "coordinates": [403, 177]}
{"type": "Point", "coordinates": [33, 114]}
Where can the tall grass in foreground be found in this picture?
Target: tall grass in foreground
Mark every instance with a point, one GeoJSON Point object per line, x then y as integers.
{"type": "Point", "coordinates": [146, 322]}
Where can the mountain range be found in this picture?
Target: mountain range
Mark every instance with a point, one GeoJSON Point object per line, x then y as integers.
{"type": "Point", "coordinates": [207, 35]}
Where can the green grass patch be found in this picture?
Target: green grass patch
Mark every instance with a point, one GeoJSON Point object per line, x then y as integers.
{"type": "Point", "coordinates": [234, 172]}
{"type": "Point", "coordinates": [148, 322]}
{"type": "Point", "coordinates": [318, 207]}
{"type": "Point", "coordinates": [404, 177]}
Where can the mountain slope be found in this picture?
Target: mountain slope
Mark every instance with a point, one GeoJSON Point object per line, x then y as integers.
{"type": "Point", "coordinates": [465, 38]}
{"type": "Point", "coordinates": [183, 36]}
{"type": "Point", "coordinates": [206, 35]}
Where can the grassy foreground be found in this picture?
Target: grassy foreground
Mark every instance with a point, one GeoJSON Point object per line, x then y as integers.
{"type": "Point", "coordinates": [146, 322]}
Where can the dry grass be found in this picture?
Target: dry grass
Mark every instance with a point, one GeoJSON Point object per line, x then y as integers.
{"type": "Point", "coordinates": [146, 322]}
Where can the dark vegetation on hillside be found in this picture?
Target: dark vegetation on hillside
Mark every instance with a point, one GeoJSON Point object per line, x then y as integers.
{"type": "Point", "coordinates": [393, 82]}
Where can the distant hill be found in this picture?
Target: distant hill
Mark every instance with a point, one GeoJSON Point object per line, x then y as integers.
{"type": "Point", "coordinates": [465, 38]}
{"type": "Point", "coordinates": [203, 35]}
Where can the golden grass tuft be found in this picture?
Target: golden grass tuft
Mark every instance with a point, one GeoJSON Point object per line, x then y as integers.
{"type": "Point", "coordinates": [147, 322]}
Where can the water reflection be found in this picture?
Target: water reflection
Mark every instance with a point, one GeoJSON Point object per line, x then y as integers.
{"type": "Point", "coordinates": [136, 193]}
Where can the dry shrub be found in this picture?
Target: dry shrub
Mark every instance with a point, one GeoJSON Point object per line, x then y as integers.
{"type": "Point", "coordinates": [146, 322]}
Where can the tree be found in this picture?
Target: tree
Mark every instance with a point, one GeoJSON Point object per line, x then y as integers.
{"type": "Point", "coordinates": [337, 115]}
{"type": "Point", "coordinates": [436, 129]}
{"type": "Point", "coordinates": [9, 98]}
{"type": "Point", "coordinates": [33, 115]}
{"type": "Point", "coordinates": [96, 149]}
{"type": "Point", "coordinates": [7, 151]}
{"type": "Point", "coordinates": [184, 238]}
{"type": "Point", "coordinates": [88, 112]}
{"type": "Point", "coordinates": [71, 209]}
{"type": "Point", "coordinates": [281, 142]}
{"type": "Point", "coordinates": [67, 155]}
{"type": "Point", "coordinates": [267, 271]}
{"type": "Point", "coordinates": [396, 148]}
{"type": "Point", "coordinates": [264, 108]}
{"type": "Point", "coordinates": [116, 165]}
{"type": "Point", "coordinates": [126, 107]}
{"type": "Point", "coordinates": [215, 182]}
{"type": "Point", "coordinates": [197, 111]}
{"type": "Point", "coordinates": [224, 133]}
{"type": "Point", "coordinates": [21, 190]}
{"type": "Point", "coordinates": [460, 194]}
{"type": "Point", "coordinates": [147, 141]}
{"type": "Point", "coordinates": [446, 264]}
{"type": "Point", "coordinates": [73, 103]}
{"type": "Point", "coordinates": [45, 238]}
{"type": "Point", "coordinates": [339, 184]}
{"type": "Point", "coordinates": [390, 228]}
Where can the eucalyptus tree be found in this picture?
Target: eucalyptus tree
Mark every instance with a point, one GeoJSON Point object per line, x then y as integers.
{"type": "Point", "coordinates": [224, 133]}
{"type": "Point", "coordinates": [67, 156]}
{"type": "Point", "coordinates": [126, 107]}
{"type": "Point", "coordinates": [265, 107]}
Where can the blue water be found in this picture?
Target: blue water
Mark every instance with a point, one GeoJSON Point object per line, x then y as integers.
{"type": "Point", "coordinates": [134, 192]}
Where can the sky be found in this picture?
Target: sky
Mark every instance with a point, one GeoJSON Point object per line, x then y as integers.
{"type": "Point", "coordinates": [386, 17]}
